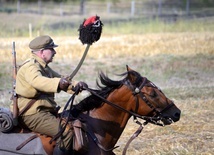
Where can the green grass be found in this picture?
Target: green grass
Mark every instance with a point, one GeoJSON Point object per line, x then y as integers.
{"type": "Point", "coordinates": [143, 26]}
{"type": "Point", "coordinates": [17, 25]}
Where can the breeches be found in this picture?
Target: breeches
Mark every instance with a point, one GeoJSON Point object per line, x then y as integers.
{"type": "Point", "coordinates": [46, 123]}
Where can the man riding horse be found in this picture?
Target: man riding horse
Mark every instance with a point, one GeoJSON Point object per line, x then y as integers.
{"type": "Point", "coordinates": [36, 84]}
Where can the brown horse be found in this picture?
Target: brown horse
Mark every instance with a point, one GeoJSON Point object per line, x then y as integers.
{"type": "Point", "coordinates": [132, 96]}
{"type": "Point", "coordinates": [108, 109]}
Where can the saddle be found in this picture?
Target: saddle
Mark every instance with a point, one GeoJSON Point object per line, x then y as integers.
{"type": "Point", "coordinates": [80, 139]}
{"type": "Point", "coordinates": [44, 139]}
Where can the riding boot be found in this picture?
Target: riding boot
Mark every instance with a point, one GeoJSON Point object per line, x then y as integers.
{"type": "Point", "coordinates": [58, 151]}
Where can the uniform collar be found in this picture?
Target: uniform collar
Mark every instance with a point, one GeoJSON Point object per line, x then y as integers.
{"type": "Point", "coordinates": [39, 60]}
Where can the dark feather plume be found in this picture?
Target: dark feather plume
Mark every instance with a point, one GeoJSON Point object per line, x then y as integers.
{"type": "Point", "coordinates": [90, 30]}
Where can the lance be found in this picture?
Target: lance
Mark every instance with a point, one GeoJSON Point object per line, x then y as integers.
{"type": "Point", "coordinates": [89, 32]}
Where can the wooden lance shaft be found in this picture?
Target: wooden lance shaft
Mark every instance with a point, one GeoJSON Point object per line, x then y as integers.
{"type": "Point", "coordinates": [81, 62]}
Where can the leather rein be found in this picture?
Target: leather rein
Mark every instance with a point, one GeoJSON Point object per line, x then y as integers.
{"type": "Point", "coordinates": [136, 91]}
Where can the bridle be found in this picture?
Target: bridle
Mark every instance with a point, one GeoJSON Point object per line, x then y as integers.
{"type": "Point", "coordinates": [138, 94]}
{"type": "Point", "coordinates": [136, 91]}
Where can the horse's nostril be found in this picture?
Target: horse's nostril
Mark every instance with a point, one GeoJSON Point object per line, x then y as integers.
{"type": "Point", "coordinates": [177, 115]}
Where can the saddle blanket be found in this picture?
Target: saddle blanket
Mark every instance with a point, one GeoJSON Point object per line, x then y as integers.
{"type": "Point", "coordinates": [10, 141]}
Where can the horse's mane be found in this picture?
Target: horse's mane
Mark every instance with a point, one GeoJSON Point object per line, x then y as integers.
{"type": "Point", "coordinates": [105, 87]}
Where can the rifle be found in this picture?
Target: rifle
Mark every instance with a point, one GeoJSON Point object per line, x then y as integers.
{"type": "Point", "coordinates": [14, 95]}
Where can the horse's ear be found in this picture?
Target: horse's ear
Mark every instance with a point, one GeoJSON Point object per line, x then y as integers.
{"type": "Point", "coordinates": [128, 68]}
{"type": "Point", "coordinates": [131, 76]}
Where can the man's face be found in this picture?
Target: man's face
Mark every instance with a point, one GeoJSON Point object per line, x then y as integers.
{"type": "Point", "coordinates": [48, 54]}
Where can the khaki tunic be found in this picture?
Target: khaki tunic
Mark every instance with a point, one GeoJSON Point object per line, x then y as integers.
{"type": "Point", "coordinates": [34, 78]}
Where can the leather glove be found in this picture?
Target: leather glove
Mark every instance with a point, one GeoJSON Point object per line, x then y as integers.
{"type": "Point", "coordinates": [80, 86]}
{"type": "Point", "coordinates": [68, 78]}
{"type": "Point", "coordinates": [63, 84]}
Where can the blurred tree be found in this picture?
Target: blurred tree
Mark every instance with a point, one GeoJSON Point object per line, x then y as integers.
{"type": "Point", "coordinates": [82, 7]}
{"type": "Point", "coordinates": [187, 6]}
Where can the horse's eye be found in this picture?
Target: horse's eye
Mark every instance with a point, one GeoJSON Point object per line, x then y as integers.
{"type": "Point", "coordinates": [153, 94]}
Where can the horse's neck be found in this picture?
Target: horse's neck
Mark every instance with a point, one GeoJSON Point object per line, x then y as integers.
{"type": "Point", "coordinates": [108, 122]}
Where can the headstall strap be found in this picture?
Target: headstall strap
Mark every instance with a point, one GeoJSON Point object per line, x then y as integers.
{"type": "Point", "coordinates": [137, 91]}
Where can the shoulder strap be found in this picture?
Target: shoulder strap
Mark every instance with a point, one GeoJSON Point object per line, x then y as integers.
{"type": "Point", "coordinates": [30, 103]}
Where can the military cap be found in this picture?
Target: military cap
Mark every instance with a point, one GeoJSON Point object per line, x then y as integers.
{"type": "Point", "coordinates": [42, 42]}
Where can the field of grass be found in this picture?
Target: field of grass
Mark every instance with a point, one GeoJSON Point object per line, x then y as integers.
{"type": "Point", "coordinates": [180, 63]}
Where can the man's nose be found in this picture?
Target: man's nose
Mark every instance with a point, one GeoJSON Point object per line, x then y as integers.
{"type": "Point", "coordinates": [54, 52]}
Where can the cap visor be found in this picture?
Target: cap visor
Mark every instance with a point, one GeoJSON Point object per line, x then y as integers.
{"type": "Point", "coordinates": [52, 46]}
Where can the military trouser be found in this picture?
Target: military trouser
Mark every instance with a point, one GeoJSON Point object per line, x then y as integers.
{"type": "Point", "coordinates": [46, 123]}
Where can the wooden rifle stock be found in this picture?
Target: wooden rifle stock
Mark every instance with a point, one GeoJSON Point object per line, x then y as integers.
{"type": "Point", "coordinates": [14, 95]}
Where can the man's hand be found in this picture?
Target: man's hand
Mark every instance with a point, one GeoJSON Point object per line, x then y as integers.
{"type": "Point", "coordinates": [68, 78]}
{"type": "Point", "coordinates": [80, 86]}
{"type": "Point", "coordinates": [63, 84]}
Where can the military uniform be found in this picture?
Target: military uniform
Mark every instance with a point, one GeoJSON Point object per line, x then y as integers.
{"type": "Point", "coordinates": [36, 80]}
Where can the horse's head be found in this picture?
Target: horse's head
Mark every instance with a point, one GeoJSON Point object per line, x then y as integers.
{"type": "Point", "coordinates": [150, 104]}
{"type": "Point", "coordinates": [151, 99]}
{"type": "Point", "coordinates": [111, 105]}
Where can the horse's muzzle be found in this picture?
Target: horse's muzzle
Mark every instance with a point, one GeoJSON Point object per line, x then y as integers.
{"type": "Point", "coordinates": [170, 115]}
